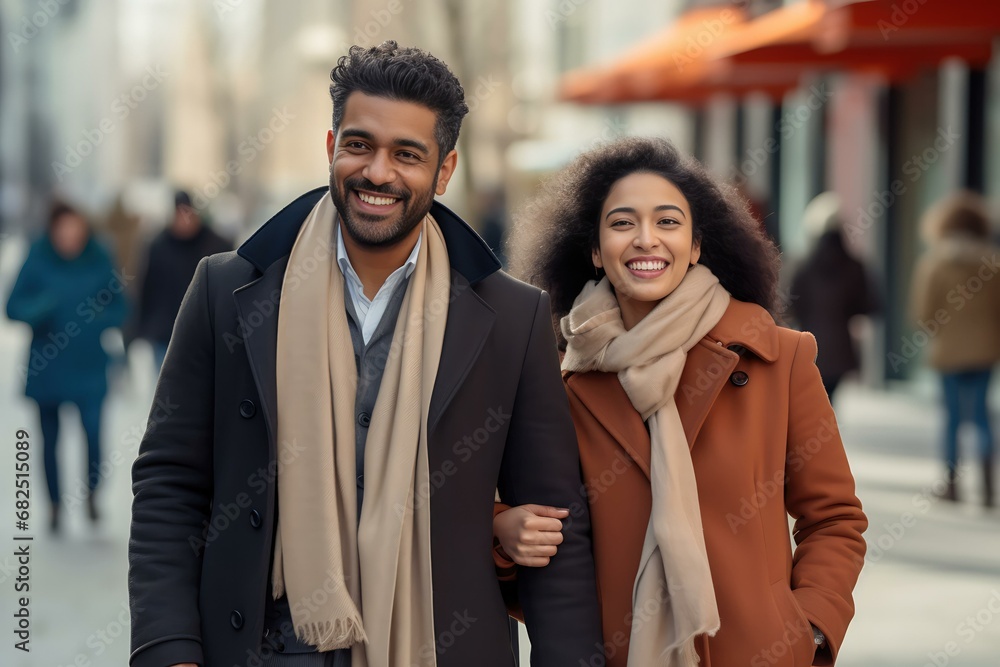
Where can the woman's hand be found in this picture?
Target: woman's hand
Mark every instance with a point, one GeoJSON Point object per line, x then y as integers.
{"type": "Point", "coordinates": [530, 534]}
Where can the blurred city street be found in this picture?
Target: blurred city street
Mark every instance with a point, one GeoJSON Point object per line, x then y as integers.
{"type": "Point", "coordinates": [931, 563]}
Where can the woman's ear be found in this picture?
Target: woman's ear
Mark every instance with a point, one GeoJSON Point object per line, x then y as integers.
{"type": "Point", "coordinates": [695, 252]}
{"type": "Point", "coordinates": [595, 256]}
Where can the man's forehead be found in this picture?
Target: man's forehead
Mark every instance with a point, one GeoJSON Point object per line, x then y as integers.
{"type": "Point", "coordinates": [380, 114]}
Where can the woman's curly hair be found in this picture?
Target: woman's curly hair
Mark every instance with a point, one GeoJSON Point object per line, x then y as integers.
{"type": "Point", "coordinates": [554, 236]}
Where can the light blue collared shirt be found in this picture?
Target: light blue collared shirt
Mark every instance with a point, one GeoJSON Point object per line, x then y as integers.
{"type": "Point", "coordinates": [370, 312]}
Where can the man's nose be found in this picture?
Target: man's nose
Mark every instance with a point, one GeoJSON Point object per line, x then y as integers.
{"type": "Point", "coordinates": [379, 170]}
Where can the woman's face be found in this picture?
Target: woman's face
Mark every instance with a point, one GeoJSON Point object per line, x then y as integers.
{"type": "Point", "coordinates": [69, 235]}
{"type": "Point", "coordinates": [646, 242]}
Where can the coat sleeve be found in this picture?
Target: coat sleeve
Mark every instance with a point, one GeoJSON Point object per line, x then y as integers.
{"type": "Point", "coordinates": [541, 464]}
{"type": "Point", "coordinates": [172, 487]}
{"type": "Point", "coordinates": [820, 496]}
{"type": "Point", "coordinates": [30, 302]}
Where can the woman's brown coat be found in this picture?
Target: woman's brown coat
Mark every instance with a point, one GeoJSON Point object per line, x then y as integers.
{"type": "Point", "coordinates": [765, 445]}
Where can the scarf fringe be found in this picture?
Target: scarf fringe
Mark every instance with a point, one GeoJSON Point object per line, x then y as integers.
{"type": "Point", "coordinates": [332, 635]}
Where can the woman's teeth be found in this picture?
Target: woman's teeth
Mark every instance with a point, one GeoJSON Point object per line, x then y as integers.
{"type": "Point", "coordinates": [646, 266]}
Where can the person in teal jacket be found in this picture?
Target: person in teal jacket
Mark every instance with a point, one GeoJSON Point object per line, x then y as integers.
{"type": "Point", "coordinates": [68, 292]}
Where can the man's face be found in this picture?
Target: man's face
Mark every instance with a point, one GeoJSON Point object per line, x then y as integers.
{"type": "Point", "coordinates": [384, 168]}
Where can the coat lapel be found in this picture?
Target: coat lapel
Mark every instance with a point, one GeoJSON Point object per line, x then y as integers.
{"type": "Point", "coordinates": [261, 339]}
{"type": "Point", "coordinates": [470, 321]}
{"type": "Point", "coordinates": [603, 396]}
{"type": "Point", "coordinates": [705, 373]}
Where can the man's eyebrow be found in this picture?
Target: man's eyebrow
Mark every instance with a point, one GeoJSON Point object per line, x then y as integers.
{"type": "Point", "coordinates": [413, 143]}
{"type": "Point", "coordinates": [368, 136]}
{"type": "Point", "coordinates": [354, 132]}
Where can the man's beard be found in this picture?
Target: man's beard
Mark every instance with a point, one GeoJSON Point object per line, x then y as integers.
{"type": "Point", "coordinates": [377, 231]}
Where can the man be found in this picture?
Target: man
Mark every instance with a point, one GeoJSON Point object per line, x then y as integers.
{"type": "Point", "coordinates": [173, 256]}
{"type": "Point", "coordinates": [290, 497]}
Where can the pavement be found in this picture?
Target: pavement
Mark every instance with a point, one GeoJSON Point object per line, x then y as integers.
{"type": "Point", "coordinates": [929, 594]}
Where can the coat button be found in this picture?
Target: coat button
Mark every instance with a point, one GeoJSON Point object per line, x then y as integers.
{"type": "Point", "coordinates": [247, 408]}
{"type": "Point", "coordinates": [364, 419]}
{"type": "Point", "coordinates": [255, 518]}
{"type": "Point", "coordinates": [236, 620]}
{"type": "Point", "coordinates": [739, 378]}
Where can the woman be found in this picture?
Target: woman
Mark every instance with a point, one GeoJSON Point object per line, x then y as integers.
{"type": "Point", "coordinates": [68, 293]}
{"type": "Point", "coordinates": [693, 450]}
{"type": "Point", "coordinates": [956, 301]}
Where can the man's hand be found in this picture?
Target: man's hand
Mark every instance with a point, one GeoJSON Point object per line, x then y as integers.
{"type": "Point", "coordinates": [530, 534]}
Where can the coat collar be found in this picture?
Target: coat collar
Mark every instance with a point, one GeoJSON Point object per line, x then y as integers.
{"type": "Point", "coordinates": [748, 326]}
{"type": "Point", "coordinates": [467, 252]}
{"type": "Point", "coordinates": [744, 326]}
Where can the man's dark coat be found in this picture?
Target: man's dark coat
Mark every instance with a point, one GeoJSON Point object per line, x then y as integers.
{"type": "Point", "coordinates": [204, 512]}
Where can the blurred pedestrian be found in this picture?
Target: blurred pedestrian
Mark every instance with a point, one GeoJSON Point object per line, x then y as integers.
{"type": "Point", "coordinates": [172, 259]}
{"type": "Point", "coordinates": [696, 417]}
{"type": "Point", "coordinates": [830, 288]}
{"type": "Point", "coordinates": [955, 300]}
{"type": "Point", "coordinates": [68, 292]}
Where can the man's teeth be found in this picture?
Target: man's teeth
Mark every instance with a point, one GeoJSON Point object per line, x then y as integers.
{"type": "Point", "coordinates": [647, 266]}
{"type": "Point", "coordinates": [377, 201]}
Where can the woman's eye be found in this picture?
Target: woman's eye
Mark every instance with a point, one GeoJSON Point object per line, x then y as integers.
{"type": "Point", "coordinates": [669, 221]}
{"type": "Point", "coordinates": [621, 223]}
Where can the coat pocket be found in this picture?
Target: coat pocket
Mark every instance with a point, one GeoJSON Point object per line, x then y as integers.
{"type": "Point", "coordinates": [796, 633]}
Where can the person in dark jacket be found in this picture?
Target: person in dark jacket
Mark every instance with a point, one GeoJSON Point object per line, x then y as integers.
{"type": "Point", "coordinates": [68, 292]}
{"type": "Point", "coordinates": [318, 488]}
{"type": "Point", "coordinates": [173, 255]}
{"type": "Point", "coordinates": [829, 289]}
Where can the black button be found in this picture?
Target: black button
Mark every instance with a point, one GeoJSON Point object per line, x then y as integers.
{"type": "Point", "coordinates": [361, 481]}
{"type": "Point", "coordinates": [255, 518]}
{"type": "Point", "coordinates": [364, 419]}
{"type": "Point", "coordinates": [739, 378]}
{"type": "Point", "coordinates": [279, 646]}
{"type": "Point", "coordinates": [236, 619]}
{"type": "Point", "coordinates": [247, 408]}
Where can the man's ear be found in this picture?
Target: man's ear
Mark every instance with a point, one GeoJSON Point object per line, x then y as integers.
{"type": "Point", "coordinates": [331, 141]}
{"type": "Point", "coordinates": [446, 171]}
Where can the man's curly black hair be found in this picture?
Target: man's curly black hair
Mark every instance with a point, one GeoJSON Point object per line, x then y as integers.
{"type": "Point", "coordinates": [406, 75]}
{"type": "Point", "coordinates": [553, 238]}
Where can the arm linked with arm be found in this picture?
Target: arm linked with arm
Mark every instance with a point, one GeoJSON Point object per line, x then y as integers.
{"type": "Point", "coordinates": [541, 465]}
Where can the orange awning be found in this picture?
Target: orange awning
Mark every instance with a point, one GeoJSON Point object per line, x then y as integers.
{"type": "Point", "coordinates": [772, 52]}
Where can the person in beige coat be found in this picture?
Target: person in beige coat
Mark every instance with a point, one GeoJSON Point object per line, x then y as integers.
{"type": "Point", "coordinates": [956, 305]}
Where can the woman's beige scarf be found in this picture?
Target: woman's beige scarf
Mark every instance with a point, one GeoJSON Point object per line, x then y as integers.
{"type": "Point", "coordinates": [673, 599]}
{"type": "Point", "coordinates": [383, 610]}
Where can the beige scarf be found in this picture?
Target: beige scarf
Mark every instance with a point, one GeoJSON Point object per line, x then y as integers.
{"type": "Point", "coordinates": [383, 610]}
{"type": "Point", "coordinates": [673, 599]}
